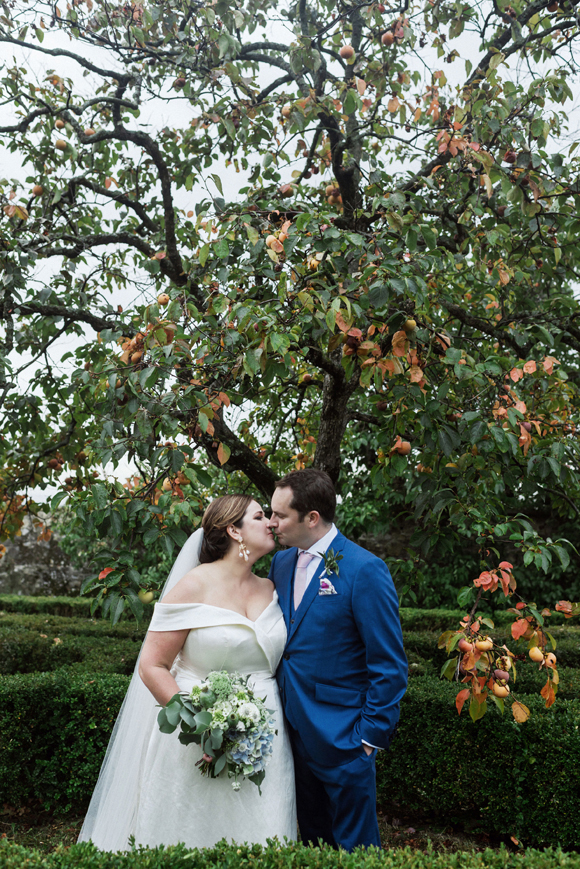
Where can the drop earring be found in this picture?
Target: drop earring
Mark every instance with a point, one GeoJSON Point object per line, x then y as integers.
{"type": "Point", "coordinates": [244, 551]}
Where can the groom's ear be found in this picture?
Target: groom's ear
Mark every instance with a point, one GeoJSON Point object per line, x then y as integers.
{"type": "Point", "coordinates": [313, 518]}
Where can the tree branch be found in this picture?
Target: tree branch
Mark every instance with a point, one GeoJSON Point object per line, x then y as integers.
{"type": "Point", "coordinates": [62, 52]}
{"type": "Point", "coordinates": [99, 324]}
{"type": "Point", "coordinates": [117, 196]}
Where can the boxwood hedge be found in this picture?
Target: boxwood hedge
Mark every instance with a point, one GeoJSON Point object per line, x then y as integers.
{"type": "Point", "coordinates": [411, 618]}
{"type": "Point", "coordinates": [276, 856]}
{"type": "Point", "coordinates": [521, 780]}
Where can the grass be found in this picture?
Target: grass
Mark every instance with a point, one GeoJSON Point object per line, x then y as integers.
{"type": "Point", "coordinates": [45, 832]}
{"type": "Point", "coordinates": [41, 830]}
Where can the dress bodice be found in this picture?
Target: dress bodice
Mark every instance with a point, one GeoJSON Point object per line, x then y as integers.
{"type": "Point", "coordinates": [222, 639]}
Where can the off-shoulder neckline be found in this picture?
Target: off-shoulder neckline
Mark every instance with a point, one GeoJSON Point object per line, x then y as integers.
{"type": "Point", "coordinates": [223, 608]}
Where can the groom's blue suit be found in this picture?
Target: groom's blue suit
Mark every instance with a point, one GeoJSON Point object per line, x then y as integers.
{"type": "Point", "coordinates": [341, 678]}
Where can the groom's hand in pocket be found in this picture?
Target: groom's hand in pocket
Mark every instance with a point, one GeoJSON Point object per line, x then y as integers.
{"type": "Point", "coordinates": [367, 748]}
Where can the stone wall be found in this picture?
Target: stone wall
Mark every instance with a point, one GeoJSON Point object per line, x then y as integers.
{"type": "Point", "coordinates": [38, 567]}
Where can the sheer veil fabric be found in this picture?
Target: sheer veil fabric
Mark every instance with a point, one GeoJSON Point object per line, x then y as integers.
{"type": "Point", "coordinates": [110, 819]}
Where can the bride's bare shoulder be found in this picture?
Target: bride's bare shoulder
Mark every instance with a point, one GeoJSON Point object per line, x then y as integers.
{"type": "Point", "coordinates": [191, 588]}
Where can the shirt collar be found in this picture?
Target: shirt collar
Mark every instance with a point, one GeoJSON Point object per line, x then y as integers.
{"type": "Point", "coordinates": [322, 544]}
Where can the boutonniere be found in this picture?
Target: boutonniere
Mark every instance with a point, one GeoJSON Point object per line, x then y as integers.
{"type": "Point", "coordinates": [331, 560]}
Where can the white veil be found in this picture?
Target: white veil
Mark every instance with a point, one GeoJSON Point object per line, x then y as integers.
{"type": "Point", "coordinates": [110, 819]}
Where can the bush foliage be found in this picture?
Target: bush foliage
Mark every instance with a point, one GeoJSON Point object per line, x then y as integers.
{"type": "Point", "coordinates": [275, 856]}
{"type": "Point", "coordinates": [438, 764]}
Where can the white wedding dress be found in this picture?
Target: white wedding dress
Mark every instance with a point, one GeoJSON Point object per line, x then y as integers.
{"type": "Point", "coordinates": [176, 803]}
{"type": "Point", "coordinates": [149, 786]}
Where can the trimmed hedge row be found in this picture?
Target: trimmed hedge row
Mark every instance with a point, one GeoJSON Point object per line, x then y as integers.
{"type": "Point", "coordinates": [521, 780]}
{"type": "Point", "coordinates": [78, 626]}
{"type": "Point", "coordinates": [22, 648]}
{"type": "Point", "coordinates": [275, 856]}
{"type": "Point", "coordinates": [39, 643]}
{"type": "Point", "coordinates": [55, 606]}
{"type": "Point", "coordinates": [54, 729]}
{"type": "Point", "coordinates": [30, 652]}
{"type": "Point", "coordinates": [411, 618]}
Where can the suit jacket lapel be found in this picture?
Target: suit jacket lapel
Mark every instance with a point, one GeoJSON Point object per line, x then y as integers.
{"type": "Point", "coordinates": [285, 587]}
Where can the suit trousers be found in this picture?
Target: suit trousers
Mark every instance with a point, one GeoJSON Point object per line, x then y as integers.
{"type": "Point", "coordinates": [337, 804]}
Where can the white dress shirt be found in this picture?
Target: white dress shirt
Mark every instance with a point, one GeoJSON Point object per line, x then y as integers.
{"type": "Point", "coordinates": [320, 546]}
{"type": "Point", "coordinates": [315, 550]}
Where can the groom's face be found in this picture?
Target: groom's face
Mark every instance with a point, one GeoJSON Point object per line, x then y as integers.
{"type": "Point", "coordinates": [285, 521]}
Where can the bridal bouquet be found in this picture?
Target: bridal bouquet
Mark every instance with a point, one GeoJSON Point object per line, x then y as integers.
{"type": "Point", "coordinates": [231, 724]}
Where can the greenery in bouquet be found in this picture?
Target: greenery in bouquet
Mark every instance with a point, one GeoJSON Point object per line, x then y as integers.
{"type": "Point", "coordinates": [231, 724]}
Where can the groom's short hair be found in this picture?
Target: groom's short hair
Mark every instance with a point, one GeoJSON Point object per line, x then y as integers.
{"type": "Point", "coordinates": [311, 490]}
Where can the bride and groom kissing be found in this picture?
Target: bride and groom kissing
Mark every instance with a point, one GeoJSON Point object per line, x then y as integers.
{"type": "Point", "coordinates": [320, 639]}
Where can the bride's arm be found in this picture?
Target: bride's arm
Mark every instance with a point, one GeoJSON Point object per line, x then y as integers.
{"type": "Point", "coordinates": [157, 656]}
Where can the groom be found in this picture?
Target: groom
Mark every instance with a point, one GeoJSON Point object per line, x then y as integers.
{"type": "Point", "coordinates": [343, 671]}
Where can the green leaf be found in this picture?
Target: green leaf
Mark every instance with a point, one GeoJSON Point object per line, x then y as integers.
{"type": "Point", "coordinates": [222, 248]}
{"type": "Point", "coordinates": [449, 441]}
{"type": "Point", "coordinates": [177, 460]}
{"type": "Point", "coordinates": [465, 596]}
{"type": "Point", "coordinates": [100, 495]}
{"type": "Point", "coordinates": [563, 556]}
{"type": "Point", "coordinates": [218, 183]}
{"type": "Point", "coordinates": [203, 254]}
{"type": "Point", "coordinates": [164, 725]}
{"type": "Point", "coordinates": [350, 102]}
{"type": "Point", "coordinates": [220, 764]}
{"type": "Point", "coordinates": [448, 669]}
{"type": "Point", "coordinates": [117, 607]}
{"type": "Point", "coordinates": [57, 499]}
{"type": "Point", "coordinates": [477, 710]}
{"type": "Point", "coordinates": [203, 718]}
{"type": "Point", "coordinates": [188, 716]}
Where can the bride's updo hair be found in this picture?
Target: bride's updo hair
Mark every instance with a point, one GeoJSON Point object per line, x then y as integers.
{"type": "Point", "coordinates": [225, 510]}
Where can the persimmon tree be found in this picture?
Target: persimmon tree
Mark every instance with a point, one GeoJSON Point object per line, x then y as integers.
{"type": "Point", "coordinates": [388, 294]}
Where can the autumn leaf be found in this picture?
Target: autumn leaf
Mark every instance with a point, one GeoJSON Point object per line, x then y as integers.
{"type": "Point", "coordinates": [516, 374]}
{"type": "Point", "coordinates": [223, 453]}
{"type": "Point", "coordinates": [507, 580]}
{"type": "Point", "coordinates": [548, 694]}
{"type": "Point", "coordinates": [529, 367]}
{"type": "Point", "coordinates": [385, 365]}
{"type": "Point", "coordinates": [519, 628]}
{"type": "Point", "coordinates": [487, 580]}
{"type": "Point", "coordinates": [524, 440]}
{"type": "Point", "coordinates": [444, 638]}
{"type": "Point", "coordinates": [393, 105]}
{"type": "Point", "coordinates": [415, 374]}
{"type": "Point", "coordinates": [568, 608]}
{"type": "Point", "coordinates": [520, 712]}
{"type": "Point", "coordinates": [548, 363]}
{"type": "Point", "coordinates": [400, 343]}
{"type": "Point", "coordinates": [461, 698]}
{"type": "Point", "coordinates": [105, 572]}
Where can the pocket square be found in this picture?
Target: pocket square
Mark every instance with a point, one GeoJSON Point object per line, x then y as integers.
{"type": "Point", "coordinates": [326, 587]}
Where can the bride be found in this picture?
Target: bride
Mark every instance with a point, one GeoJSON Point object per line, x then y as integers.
{"type": "Point", "coordinates": [215, 614]}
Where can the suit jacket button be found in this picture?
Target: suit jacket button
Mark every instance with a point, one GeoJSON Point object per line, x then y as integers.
{"type": "Point", "coordinates": [291, 621]}
{"type": "Point", "coordinates": [286, 657]}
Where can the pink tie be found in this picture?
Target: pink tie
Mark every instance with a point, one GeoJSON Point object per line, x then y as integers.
{"type": "Point", "coordinates": [300, 580]}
